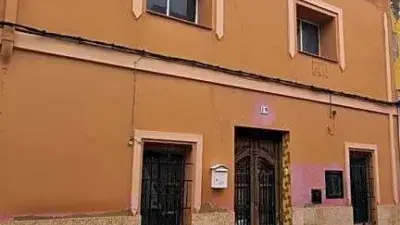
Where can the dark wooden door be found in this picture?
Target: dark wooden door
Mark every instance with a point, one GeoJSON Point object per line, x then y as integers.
{"type": "Point", "coordinates": [243, 211]}
{"type": "Point", "coordinates": [360, 188]}
{"type": "Point", "coordinates": [256, 191]}
{"type": "Point", "coordinates": [266, 193]}
{"type": "Point", "coordinates": [164, 184]}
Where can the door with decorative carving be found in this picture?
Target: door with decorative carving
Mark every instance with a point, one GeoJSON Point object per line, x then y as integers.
{"type": "Point", "coordinates": [256, 181]}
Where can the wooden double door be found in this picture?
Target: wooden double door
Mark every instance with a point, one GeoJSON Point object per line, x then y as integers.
{"type": "Point", "coordinates": [257, 181]}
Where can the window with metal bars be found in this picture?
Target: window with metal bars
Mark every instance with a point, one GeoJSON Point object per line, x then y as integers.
{"type": "Point", "coordinates": [181, 9]}
{"type": "Point", "coordinates": [334, 184]}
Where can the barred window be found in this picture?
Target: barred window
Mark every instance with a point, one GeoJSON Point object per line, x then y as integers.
{"type": "Point", "coordinates": [334, 184]}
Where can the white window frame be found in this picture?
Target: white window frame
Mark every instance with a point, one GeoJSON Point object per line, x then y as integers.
{"type": "Point", "coordinates": [362, 147]}
{"type": "Point", "coordinates": [301, 35]}
{"type": "Point", "coordinates": [142, 136]}
{"type": "Point", "coordinates": [196, 14]}
{"type": "Point", "coordinates": [325, 8]}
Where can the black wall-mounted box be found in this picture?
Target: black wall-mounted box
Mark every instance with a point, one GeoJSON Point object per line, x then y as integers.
{"type": "Point", "coordinates": [316, 196]}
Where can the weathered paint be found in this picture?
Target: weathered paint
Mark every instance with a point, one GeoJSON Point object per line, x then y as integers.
{"type": "Point", "coordinates": [153, 65]}
{"type": "Point", "coordinates": [311, 176]}
{"type": "Point", "coordinates": [75, 116]}
{"type": "Point", "coordinates": [65, 108]}
{"type": "Point", "coordinates": [244, 47]}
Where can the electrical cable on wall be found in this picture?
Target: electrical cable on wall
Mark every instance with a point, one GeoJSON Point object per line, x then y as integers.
{"type": "Point", "coordinates": [134, 95]}
{"type": "Point", "coordinates": [144, 53]}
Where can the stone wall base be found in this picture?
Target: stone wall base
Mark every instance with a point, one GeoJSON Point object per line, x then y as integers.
{"type": "Point", "coordinates": [343, 215]}
{"type": "Point", "coordinates": [320, 215]}
{"type": "Point", "coordinates": [388, 214]}
{"type": "Point", "coordinates": [112, 220]}
{"type": "Point", "coordinates": [323, 215]}
{"type": "Point", "coordinates": [211, 218]}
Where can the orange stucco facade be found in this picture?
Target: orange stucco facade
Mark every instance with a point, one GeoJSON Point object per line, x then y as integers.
{"type": "Point", "coordinates": [81, 129]}
{"type": "Point", "coordinates": [254, 34]}
{"type": "Point", "coordinates": [65, 122]}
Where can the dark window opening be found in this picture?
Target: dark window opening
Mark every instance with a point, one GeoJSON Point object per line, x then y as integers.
{"type": "Point", "coordinates": [334, 184]}
{"type": "Point", "coordinates": [395, 4]}
{"type": "Point", "coordinates": [308, 37]}
{"type": "Point", "coordinates": [316, 196]}
{"type": "Point", "coordinates": [181, 9]}
{"type": "Point", "coordinates": [317, 32]}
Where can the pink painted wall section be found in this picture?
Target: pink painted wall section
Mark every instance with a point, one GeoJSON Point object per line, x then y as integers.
{"type": "Point", "coordinates": [307, 177]}
{"type": "Point", "coordinates": [5, 218]}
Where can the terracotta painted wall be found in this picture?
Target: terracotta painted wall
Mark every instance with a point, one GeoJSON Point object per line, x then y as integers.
{"type": "Point", "coordinates": [76, 117]}
{"type": "Point", "coordinates": [255, 38]}
{"type": "Point", "coordinates": [58, 125]}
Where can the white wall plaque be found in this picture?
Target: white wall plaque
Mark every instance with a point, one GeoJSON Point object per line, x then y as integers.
{"type": "Point", "coordinates": [264, 110]}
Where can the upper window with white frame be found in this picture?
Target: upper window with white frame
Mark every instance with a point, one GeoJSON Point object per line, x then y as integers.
{"type": "Point", "coordinates": [316, 32]}
{"type": "Point", "coordinates": [181, 9]}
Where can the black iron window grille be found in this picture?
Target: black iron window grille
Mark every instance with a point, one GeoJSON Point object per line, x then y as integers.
{"type": "Point", "coordinates": [243, 192]}
{"type": "Point", "coordinates": [166, 185]}
{"type": "Point", "coordinates": [334, 184]}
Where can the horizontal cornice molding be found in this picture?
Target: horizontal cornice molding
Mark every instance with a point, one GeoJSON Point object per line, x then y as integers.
{"type": "Point", "coordinates": [150, 62]}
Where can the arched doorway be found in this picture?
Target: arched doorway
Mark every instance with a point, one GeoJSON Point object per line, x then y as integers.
{"type": "Point", "coordinates": [257, 167]}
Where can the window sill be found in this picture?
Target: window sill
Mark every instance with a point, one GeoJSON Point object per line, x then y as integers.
{"type": "Point", "coordinates": [179, 20]}
{"type": "Point", "coordinates": [319, 57]}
